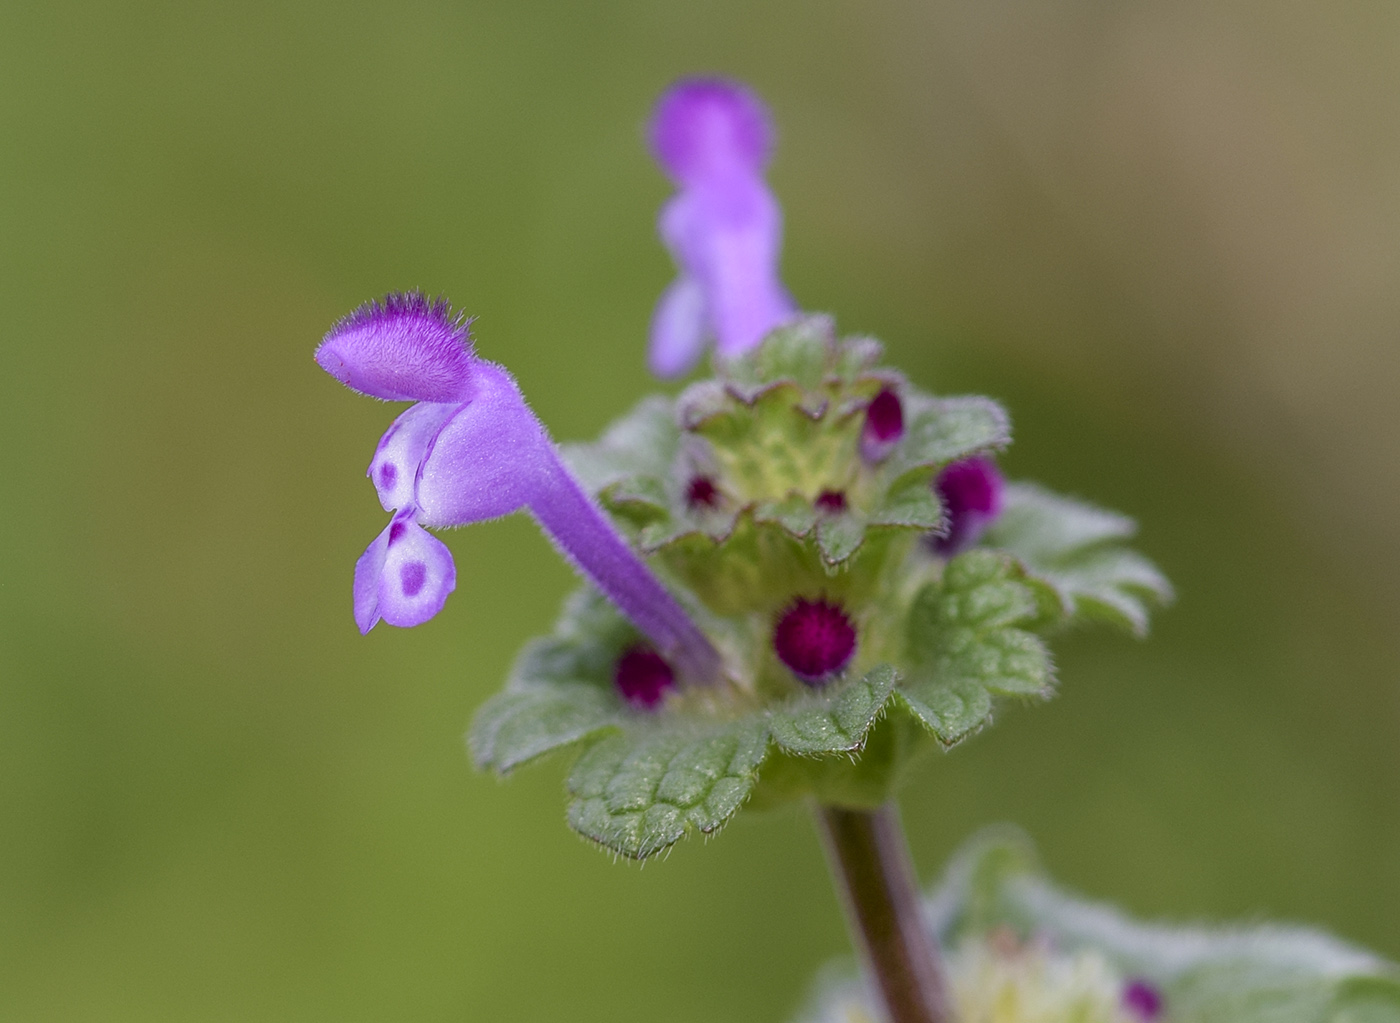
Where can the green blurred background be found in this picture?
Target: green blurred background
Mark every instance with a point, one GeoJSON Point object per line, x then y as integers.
{"type": "Point", "coordinates": [1167, 235]}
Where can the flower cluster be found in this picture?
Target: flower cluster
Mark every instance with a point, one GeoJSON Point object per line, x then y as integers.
{"type": "Point", "coordinates": [1001, 978]}
{"type": "Point", "coordinates": [1024, 950]}
{"type": "Point", "coordinates": [800, 570]}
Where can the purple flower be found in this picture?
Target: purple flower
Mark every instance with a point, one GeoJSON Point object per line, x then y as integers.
{"type": "Point", "coordinates": [971, 493]}
{"type": "Point", "coordinates": [723, 227]}
{"type": "Point", "coordinates": [471, 450]}
{"type": "Point", "coordinates": [1142, 1000]}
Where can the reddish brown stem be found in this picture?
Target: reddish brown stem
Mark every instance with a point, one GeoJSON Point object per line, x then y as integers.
{"type": "Point", "coordinates": [870, 862]}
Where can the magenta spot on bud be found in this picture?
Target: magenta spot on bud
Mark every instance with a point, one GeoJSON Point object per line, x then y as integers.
{"type": "Point", "coordinates": [884, 418]}
{"type": "Point", "coordinates": [1143, 1000]}
{"type": "Point", "coordinates": [833, 502]}
{"type": "Point", "coordinates": [643, 676]}
{"type": "Point", "coordinates": [702, 493]}
{"type": "Point", "coordinates": [815, 639]}
{"type": "Point", "coordinates": [884, 426]}
{"type": "Point", "coordinates": [387, 474]}
{"type": "Point", "coordinates": [412, 576]}
{"type": "Point", "coordinates": [396, 530]}
{"type": "Point", "coordinates": [971, 493]}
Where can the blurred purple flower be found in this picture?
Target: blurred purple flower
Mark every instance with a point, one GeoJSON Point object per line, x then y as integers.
{"type": "Point", "coordinates": [471, 450]}
{"type": "Point", "coordinates": [723, 228]}
{"type": "Point", "coordinates": [1142, 1000]}
{"type": "Point", "coordinates": [971, 493]}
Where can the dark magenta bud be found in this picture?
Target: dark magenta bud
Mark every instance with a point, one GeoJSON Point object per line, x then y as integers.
{"type": "Point", "coordinates": [815, 639]}
{"type": "Point", "coordinates": [1142, 1000]}
{"type": "Point", "coordinates": [643, 677]}
{"type": "Point", "coordinates": [884, 425]}
{"type": "Point", "coordinates": [832, 502]}
{"type": "Point", "coordinates": [971, 493]}
{"type": "Point", "coordinates": [701, 492]}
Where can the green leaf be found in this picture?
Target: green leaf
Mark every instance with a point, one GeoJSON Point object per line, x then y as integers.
{"type": "Point", "coordinates": [1076, 550]}
{"type": "Point", "coordinates": [858, 355]}
{"type": "Point", "coordinates": [560, 691]}
{"type": "Point", "coordinates": [1257, 974]}
{"type": "Point", "coordinates": [910, 501]}
{"type": "Point", "coordinates": [518, 725]}
{"type": "Point", "coordinates": [953, 712]}
{"type": "Point", "coordinates": [835, 719]}
{"type": "Point", "coordinates": [641, 791]}
{"type": "Point", "coordinates": [794, 513]}
{"type": "Point", "coordinates": [942, 430]}
{"type": "Point", "coordinates": [839, 536]}
{"type": "Point", "coordinates": [966, 645]}
{"type": "Point", "coordinates": [641, 443]}
{"type": "Point", "coordinates": [800, 352]}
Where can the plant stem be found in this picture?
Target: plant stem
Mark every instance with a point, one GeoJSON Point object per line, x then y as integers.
{"type": "Point", "coordinates": [870, 862]}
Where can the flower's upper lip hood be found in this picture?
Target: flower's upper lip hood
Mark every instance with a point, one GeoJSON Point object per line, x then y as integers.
{"type": "Point", "coordinates": [406, 347]}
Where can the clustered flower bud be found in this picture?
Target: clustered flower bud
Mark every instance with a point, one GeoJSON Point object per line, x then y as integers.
{"type": "Point", "coordinates": [643, 677]}
{"type": "Point", "coordinates": [815, 639]}
{"type": "Point", "coordinates": [701, 493]}
{"type": "Point", "coordinates": [884, 426]}
{"type": "Point", "coordinates": [971, 492]}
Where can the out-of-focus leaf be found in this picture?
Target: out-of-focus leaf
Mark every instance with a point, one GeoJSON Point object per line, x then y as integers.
{"type": "Point", "coordinates": [1077, 550]}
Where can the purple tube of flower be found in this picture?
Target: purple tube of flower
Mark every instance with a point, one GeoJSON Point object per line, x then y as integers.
{"type": "Point", "coordinates": [468, 451]}
{"type": "Point", "coordinates": [723, 227]}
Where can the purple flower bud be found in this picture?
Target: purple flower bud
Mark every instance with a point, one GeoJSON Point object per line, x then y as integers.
{"type": "Point", "coordinates": [884, 426]}
{"type": "Point", "coordinates": [701, 492]}
{"type": "Point", "coordinates": [405, 348]}
{"type": "Point", "coordinates": [643, 677]}
{"type": "Point", "coordinates": [831, 502]}
{"type": "Point", "coordinates": [480, 455]}
{"type": "Point", "coordinates": [971, 493]}
{"type": "Point", "coordinates": [724, 228]}
{"type": "Point", "coordinates": [815, 639]}
{"type": "Point", "coordinates": [1142, 1000]}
